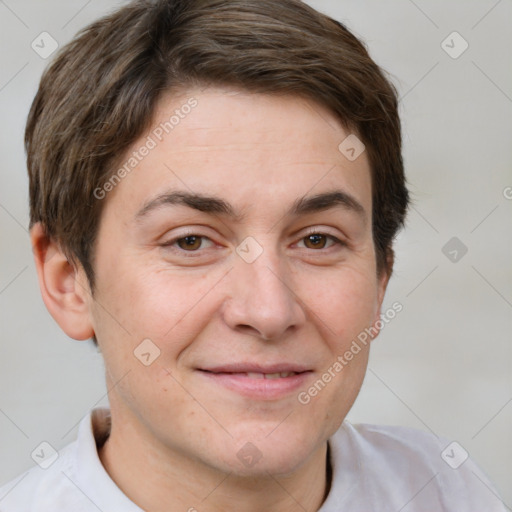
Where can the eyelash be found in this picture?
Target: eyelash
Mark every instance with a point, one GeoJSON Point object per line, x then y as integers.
{"type": "Point", "coordinates": [313, 231]}
{"type": "Point", "coordinates": [172, 242]}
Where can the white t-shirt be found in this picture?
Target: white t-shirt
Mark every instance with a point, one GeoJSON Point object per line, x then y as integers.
{"type": "Point", "coordinates": [374, 468]}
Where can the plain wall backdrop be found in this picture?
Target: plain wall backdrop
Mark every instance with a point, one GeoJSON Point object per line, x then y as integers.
{"type": "Point", "coordinates": [444, 363]}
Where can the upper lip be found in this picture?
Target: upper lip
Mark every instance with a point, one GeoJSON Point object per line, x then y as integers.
{"type": "Point", "coordinates": [257, 368]}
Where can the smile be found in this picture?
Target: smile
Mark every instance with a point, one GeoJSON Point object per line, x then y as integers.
{"type": "Point", "coordinates": [259, 385]}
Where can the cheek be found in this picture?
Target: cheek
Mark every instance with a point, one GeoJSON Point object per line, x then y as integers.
{"type": "Point", "coordinates": [175, 306]}
{"type": "Point", "coordinates": [330, 397]}
{"type": "Point", "coordinates": [343, 304]}
{"type": "Point", "coordinates": [136, 293]}
{"type": "Point", "coordinates": [169, 308]}
{"type": "Point", "coordinates": [341, 309]}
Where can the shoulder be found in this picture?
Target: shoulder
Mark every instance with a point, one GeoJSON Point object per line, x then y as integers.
{"type": "Point", "coordinates": [70, 479]}
{"type": "Point", "coordinates": [386, 440]}
{"type": "Point", "coordinates": [401, 463]}
{"type": "Point", "coordinates": [28, 491]}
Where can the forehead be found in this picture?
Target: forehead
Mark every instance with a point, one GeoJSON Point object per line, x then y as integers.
{"type": "Point", "coordinates": [251, 149]}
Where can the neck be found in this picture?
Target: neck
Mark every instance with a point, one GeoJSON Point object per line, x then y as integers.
{"type": "Point", "coordinates": [158, 479]}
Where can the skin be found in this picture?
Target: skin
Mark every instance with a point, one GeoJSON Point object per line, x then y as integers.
{"type": "Point", "coordinates": [175, 435]}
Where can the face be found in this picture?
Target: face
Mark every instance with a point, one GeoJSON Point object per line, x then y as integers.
{"type": "Point", "coordinates": [240, 249]}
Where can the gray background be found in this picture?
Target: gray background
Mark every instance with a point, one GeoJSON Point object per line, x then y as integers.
{"type": "Point", "coordinates": [444, 363]}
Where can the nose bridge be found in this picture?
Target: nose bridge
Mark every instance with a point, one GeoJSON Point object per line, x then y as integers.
{"type": "Point", "coordinates": [261, 295]}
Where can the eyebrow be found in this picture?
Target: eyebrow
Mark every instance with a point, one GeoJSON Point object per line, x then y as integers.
{"type": "Point", "coordinates": [217, 206]}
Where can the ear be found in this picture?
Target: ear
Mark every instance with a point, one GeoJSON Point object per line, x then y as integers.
{"type": "Point", "coordinates": [382, 284]}
{"type": "Point", "coordinates": [64, 288]}
{"type": "Point", "coordinates": [385, 275]}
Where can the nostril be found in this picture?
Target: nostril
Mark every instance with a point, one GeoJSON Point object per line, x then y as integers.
{"type": "Point", "coordinates": [245, 328]}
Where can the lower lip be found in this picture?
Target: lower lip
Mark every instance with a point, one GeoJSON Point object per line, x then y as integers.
{"type": "Point", "coordinates": [262, 389]}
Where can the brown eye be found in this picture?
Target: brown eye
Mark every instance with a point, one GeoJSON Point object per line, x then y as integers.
{"type": "Point", "coordinates": [319, 241]}
{"type": "Point", "coordinates": [315, 241]}
{"type": "Point", "coordinates": [190, 243]}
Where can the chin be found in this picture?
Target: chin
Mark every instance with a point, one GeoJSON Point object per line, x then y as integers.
{"type": "Point", "coordinates": [277, 465]}
{"type": "Point", "coordinates": [278, 454]}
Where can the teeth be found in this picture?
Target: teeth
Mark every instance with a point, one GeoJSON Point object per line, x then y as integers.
{"type": "Point", "coordinates": [252, 375]}
{"type": "Point", "coordinates": [281, 375]}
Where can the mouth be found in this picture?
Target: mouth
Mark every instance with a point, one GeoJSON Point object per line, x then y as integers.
{"type": "Point", "coordinates": [257, 381]}
{"type": "Point", "coordinates": [258, 375]}
{"type": "Point", "coordinates": [272, 369]}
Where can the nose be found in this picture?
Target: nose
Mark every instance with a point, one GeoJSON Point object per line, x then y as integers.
{"type": "Point", "coordinates": [261, 299]}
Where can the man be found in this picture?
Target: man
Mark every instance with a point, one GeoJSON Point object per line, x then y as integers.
{"type": "Point", "coordinates": [215, 186]}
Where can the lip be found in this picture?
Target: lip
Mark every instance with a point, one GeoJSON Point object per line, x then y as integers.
{"type": "Point", "coordinates": [257, 368]}
{"type": "Point", "coordinates": [234, 377]}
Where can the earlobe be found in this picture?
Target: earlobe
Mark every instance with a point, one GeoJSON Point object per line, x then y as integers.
{"type": "Point", "coordinates": [64, 289]}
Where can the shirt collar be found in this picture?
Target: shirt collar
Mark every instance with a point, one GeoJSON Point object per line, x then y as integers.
{"type": "Point", "coordinates": [345, 465]}
{"type": "Point", "coordinates": [92, 478]}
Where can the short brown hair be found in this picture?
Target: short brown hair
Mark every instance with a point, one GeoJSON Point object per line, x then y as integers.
{"type": "Point", "coordinates": [99, 94]}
